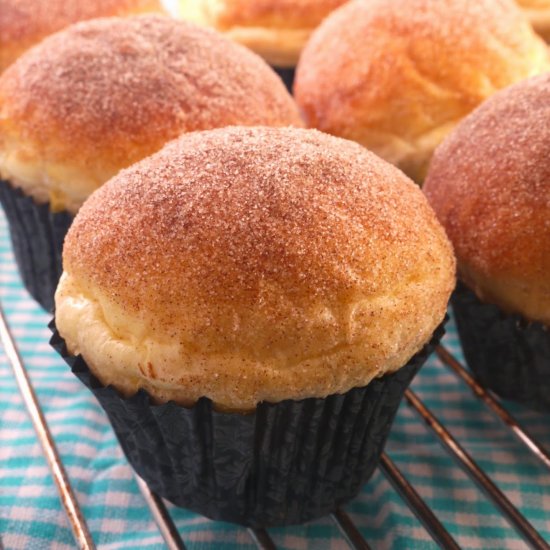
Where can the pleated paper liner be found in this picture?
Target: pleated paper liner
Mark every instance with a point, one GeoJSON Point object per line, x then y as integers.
{"type": "Point", "coordinates": [283, 464]}
{"type": "Point", "coordinates": [508, 354]}
{"type": "Point", "coordinates": [37, 236]}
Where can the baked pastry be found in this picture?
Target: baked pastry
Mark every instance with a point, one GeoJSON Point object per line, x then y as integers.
{"type": "Point", "coordinates": [212, 269]}
{"type": "Point", "coordinates": [263, 280]}
{"type": "Point", "coordinates": [489, 184]}
{"type": "Point", "coordinates": [275, 29]}
{"type": "Point", "coordinates": [398, 76]}
{"type": "Point", "coordinates": [24, 23]}
{"type": "Point", "coordinates": [538, 12]}
{"type": "Point", "coordinates": [104, 94]}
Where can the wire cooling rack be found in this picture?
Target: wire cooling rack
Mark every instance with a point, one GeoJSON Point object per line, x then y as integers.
{"type": "Point", "coordinates": [349, 531]}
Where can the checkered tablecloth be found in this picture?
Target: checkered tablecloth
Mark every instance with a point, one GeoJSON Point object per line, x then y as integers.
{"type": "Point", "coordinates": [31, 514]}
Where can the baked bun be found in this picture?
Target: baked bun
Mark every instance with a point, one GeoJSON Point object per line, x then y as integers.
{"type": "Point", "coordinates": [24, 23]}
{"type": "Point", "coordinates": [215, 269]}
{"type": "Point", "coordinates": [398, 76]}
{"type": "Point", "coordinates": [489, 183]}
{"type": "Point", "coordinates": [275, 29]}
{"type": "Point", "coordinates": [106, 93]}
{"type": "Point", "coordinates": [538, 12]}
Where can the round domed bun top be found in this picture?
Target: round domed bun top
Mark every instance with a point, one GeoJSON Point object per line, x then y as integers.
{"type": "Point", "coordinates": [489, 183]}
{"type": "Point", "coordinates": [275, 29]}
{"type": "Point", "coordinates": [397, 76]}
{"type": "Point", "coordinates": [106, 93]}
{"type": "Point", "coordinates": [253, 264]}
{"type": "Point", "coordinates": [24, 23]}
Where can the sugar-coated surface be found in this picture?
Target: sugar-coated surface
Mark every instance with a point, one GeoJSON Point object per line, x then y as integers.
{"type": "Point", "coordinates": [103, 94]}
{"type": "Point", "coordinates": [26, 22]}
{"type": "Point", "coordinates": [489, 183]}
{"type": "Point", "coordinates": [285, 261]}
{"type": "Point", "coordinates": [93, 77]}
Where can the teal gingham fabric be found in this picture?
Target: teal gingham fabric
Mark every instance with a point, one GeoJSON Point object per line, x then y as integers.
{"type": "Point", "coordinates": [31, 514]}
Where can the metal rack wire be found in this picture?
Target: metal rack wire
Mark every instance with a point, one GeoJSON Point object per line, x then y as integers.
{"type": "Point", "coordinates": [349, 531]}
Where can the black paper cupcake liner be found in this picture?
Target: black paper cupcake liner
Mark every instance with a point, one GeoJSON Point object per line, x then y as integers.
{"type": "Point", "coordinates": [283, 464]}
{"type": "Point", "coordinates": [508, 354]}
{"type": "Point", "coordinates": [37, 236]}
{"type": "Point", "coordinates": [287, 76]}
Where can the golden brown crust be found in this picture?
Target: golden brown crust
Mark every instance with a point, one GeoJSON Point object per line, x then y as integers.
{"type": "Point", "coordinates": [270, 264]}
{"type": "Point", "coordinates": [275, 29]}
{"type": "Point", "coordinates": [24, 23]}
{"type": "Point", "coordinates": [489, 183]}
{"type": "Point", "coordinates": [279, 13]}
{"type": "Point", "coordinates": [397, 77]}
{"type": "Point", "coordinates": [103, 94]}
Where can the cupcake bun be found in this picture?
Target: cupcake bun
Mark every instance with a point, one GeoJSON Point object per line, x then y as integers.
{"type": "Point", "coordinates": [398, 76]}
{"type": "Point", "coordinates": [538, 12]}
{"type": "Point", "coordinates": [489, 184]}
{"type": "Point", "coordinates": [275, 29]}
{"type": "Point", "coordinates": [106, 93]}
{"type": "Point", "coordinates": [24, 23]}
{"type": "Point", "coordinates": [253, 264]}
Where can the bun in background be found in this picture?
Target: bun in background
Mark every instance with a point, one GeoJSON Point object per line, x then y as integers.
{"type": "Point", "coordinates": [489, 183]}
{"type": "Point", "coordinates": [398, 76]}
{"type": "Point", "coordinates": [275, 29]}
{"type": "Point", "coordinates": [103, 94]}
{"type": "Point", "coordinates": [24, 23]}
